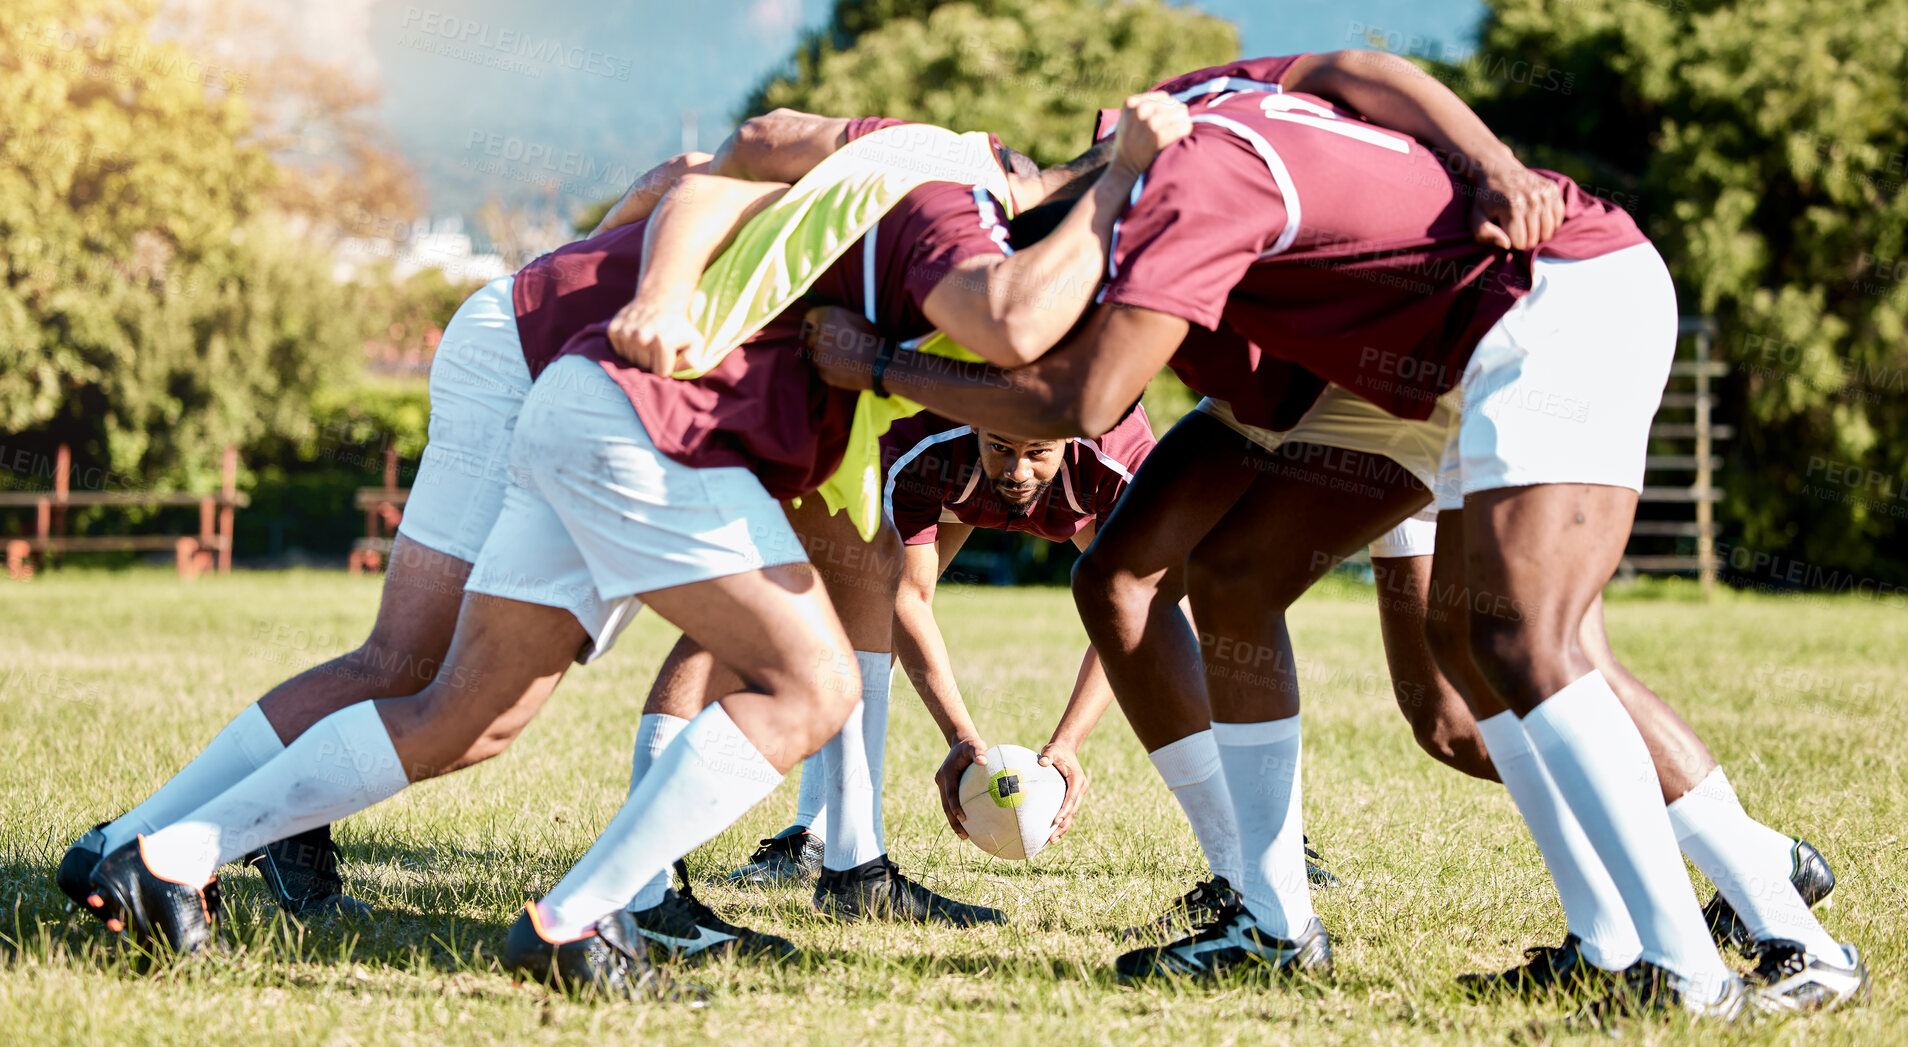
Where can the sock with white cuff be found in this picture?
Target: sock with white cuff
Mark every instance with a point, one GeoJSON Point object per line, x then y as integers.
{"type": "Point", "coordinates": [852, 762]}
{"type": "Point", "coordinates": [811, 803]}
{"type": "Point", "coordinates": [706, 779]}
{"type": "Point", "coordinates": [243, 746]}
{"type": "Point", "coordinates": [1605, 773]}
{"type": "Point", "coordinates": [1190, 768]}
{"type": "Point", "coordinates": [1261, 764]}
{"type": "Point", "coordinates": [653, 734]}
{"type": "Point", "coordinates": [339, 766]}
{"type": "Point", "coordinates": [1750, 864]}
{"type": "Point", "coordinates": [1592, 907]}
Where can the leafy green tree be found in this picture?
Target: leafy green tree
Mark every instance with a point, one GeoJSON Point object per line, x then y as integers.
{"type": "Point", "coordinates": [1762, 147]}
{"type": "Point", "coordinates": [1034, 73]}
{"type": "Point", "coordinates": [150, 311]}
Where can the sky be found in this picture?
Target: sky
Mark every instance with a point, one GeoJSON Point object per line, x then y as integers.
{"type": "Point", "coordinates": [560, 103]}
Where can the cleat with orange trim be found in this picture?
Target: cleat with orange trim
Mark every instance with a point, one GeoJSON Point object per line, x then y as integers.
{"type": "Point", "coordinates": [149, 907]}
{"type": "Point", "coordinates": [77, 864]}
{"type": "Point", "coordinates": [611, 960]}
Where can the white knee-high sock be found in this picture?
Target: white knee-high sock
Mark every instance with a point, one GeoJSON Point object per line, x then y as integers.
{"type": "Point", "coordinates": [1592, 907]}
{"type": "Point", "coordinates": [1190, 767]}
{"type": "Point", "coordinates": [341, 765]}
{"type": "Point", "coordinates": [1750, 864]}
{"type": "Point", "coordinates": [653, 734]}
{"type": "Point", "coordinates": [243, 746]}
{"type": "Point", "coordinates": [853, 762]}
{"type": "Point", "coordinates": [1604, 771]}
{"type": "Point", "coordinates": [706, 779]}
{"type": "Point", "coordinates": [811, 804]}
{"type": "Point", "coordinates": [1261, 762]}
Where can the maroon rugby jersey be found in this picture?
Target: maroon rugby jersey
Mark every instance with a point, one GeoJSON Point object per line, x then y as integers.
{"type": "Point", "coordinates": [1327, 242]}
{"type": "Point", "coordinates": [933, 476]}
{"type": "Point", "coordinates": [763, 407]}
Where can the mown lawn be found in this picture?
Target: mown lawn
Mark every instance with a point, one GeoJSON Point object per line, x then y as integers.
{"type": "Point", "coordinates": [109, 681]}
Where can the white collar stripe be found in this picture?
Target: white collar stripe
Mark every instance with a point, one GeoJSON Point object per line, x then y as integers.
{"type": "Point", "coordinates": [868, 272]}
{"type": "Point", "coordinates": [907, 459]}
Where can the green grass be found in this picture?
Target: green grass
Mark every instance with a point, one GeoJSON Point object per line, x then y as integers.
{"type": "Point", "coordinates": [108, 681]}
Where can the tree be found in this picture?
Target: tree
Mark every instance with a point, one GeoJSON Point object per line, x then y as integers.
{"type": "Point", "coordinates": [1761, 147]}
{"type": "Point", "coordinates": [150, 311]}
{"type": "Point", "coordinates": [1033, 73]}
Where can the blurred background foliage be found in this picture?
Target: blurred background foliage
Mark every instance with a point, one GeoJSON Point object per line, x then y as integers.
{"type": "Point", "coordinates": [170, 191]}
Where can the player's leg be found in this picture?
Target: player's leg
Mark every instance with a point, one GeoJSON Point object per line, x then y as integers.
{"type": "Point", "coordinates": [857, 879]}
{"type": "Point", "coordinates": [478, 381]}
{"type": "Point", "coordinates": [775, 627]}
{"type": "Point", "coordinates": [1308, 509]}
{"type": "Point", "coordinates": [1550, 451]}
{"type": "Point", "coordinates": [1766, 880]}
{"type": "Point", "coordinates": [689, 680]}
{"type": "Point", "coordinates": [1128, 586]}
{"type": "Point", "coordinates": [1439, 719]}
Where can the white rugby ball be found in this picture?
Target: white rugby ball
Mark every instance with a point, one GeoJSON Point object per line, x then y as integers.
{"type": "Point", "coordinates": [1011, 801]}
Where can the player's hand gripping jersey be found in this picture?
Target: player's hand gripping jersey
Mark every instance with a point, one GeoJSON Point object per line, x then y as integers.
{"type": "Point", "coordinates": [1327, 242]}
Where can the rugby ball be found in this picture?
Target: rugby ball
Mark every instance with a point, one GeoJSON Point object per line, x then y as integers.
{"type": "Point", "coordinates": [1010, 802]}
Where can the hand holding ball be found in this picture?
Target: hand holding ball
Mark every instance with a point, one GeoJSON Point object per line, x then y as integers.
{"type": "Point", "coordinates": [1011, 801]}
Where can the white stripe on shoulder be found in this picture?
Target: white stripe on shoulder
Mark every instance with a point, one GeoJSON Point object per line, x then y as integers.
{"type": "Point", "coordinates": [1288, 109]}
{"type": "Point", "coordinates": [1106, 459]}
{"type": "Point", "coordinates": [990, 220]}
{"type": "Point", "coordinates": [1066, 484]}
{"type": "Point", "coordinates": [1280, 176]}
{"type": "Point", "coordinates": [907, 458]}
{"type": "Point", "coordinates": [1224, 85]}
{"type": "Point", "coordinates": [868, 272]}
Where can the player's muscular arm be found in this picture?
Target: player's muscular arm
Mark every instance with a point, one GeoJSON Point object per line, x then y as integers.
{"type": "Point", "coordinates": [1514, 207]}
{"type": "Point", "coordinates": [917, 636]}
{"type": "Point", "coordinates": [923, 653]}
{"type": "Point", "coordinates": [781, 145]}
{"type": "Point", "coordinates": [1011, 310]}
{"type": "Point", "coordinates": [647, 191]}
{"type": "Point", "coordinates": [696, 220]}
{"type": "Point", "coordinates": [1082, 388]}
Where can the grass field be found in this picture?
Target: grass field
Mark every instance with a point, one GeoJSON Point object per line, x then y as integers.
{"type": "Point", "coordinates": [108, 682]}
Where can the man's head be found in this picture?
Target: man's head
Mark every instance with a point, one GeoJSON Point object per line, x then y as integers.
{"type": "Point", "coordinates": [1019, 470]}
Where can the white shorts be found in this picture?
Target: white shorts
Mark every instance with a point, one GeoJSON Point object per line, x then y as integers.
{"type": "Point", "coordinates": [478, 382]}
{"type": "Point", "coordinates": [1563, 388]}
{"type": "Point", "coordinates": [596, 516]}
{"type": "Point", "coordinates": [1417, 535]}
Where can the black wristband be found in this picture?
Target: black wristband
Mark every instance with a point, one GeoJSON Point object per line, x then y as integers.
{"type": "Point", "coordinates": [883, 357]}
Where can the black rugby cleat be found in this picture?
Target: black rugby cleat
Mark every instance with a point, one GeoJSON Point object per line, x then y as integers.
{"type": "Point", "coordinates": [1233, 942]}
{"type": "Point", "coordinates": [681, 927]}
{"type": "Point", "coordinates": [1810, 874]}
{"type": "Point", "coordinates": [1547, 970]}
{"type": "Point", "coordinates": [876, 890]}
{"type": "Point", "coordinates": [611, 960]}
{"type": "Point", "coordinates": [139, 903]}
{"type": "Point", "coordinates": [302, 873]}
{"type": "Point", "coordinates": [1790, 981]}
{"type": "Point", "coordinates": [792, 856]}
{"type": "Point", "coordinates": [76, 866]}
{"type": "Point", "coordinates": [1193, 911]}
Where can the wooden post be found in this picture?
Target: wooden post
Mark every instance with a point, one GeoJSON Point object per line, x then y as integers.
{"type": "Point", "coordinates": [1705, 476]}
{"type": "Point", "coordinates": [62, 485]}
{"type": "Point", "coordinates": [390, 470]}
{"type": "Point", "coordinates": [228, 499]}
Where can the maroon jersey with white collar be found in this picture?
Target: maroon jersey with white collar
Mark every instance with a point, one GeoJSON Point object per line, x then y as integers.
{"type": "Point", "coordinates": [933, 475]}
